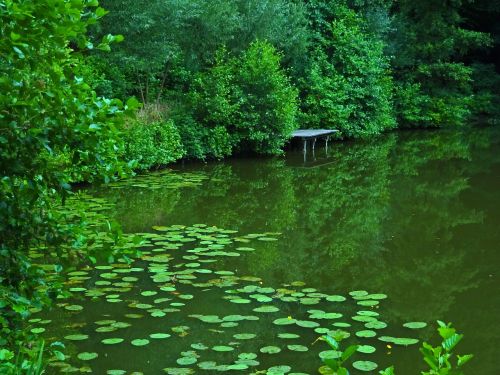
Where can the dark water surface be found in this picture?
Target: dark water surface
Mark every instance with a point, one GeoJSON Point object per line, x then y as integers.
{"type": "Point", "coordinates": [414, 215]}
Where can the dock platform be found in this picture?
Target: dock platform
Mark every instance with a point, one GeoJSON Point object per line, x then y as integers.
{"type": "Point", "coordinates": [313, 134]}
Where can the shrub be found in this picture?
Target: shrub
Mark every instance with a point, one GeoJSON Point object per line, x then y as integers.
{"type": "Point", "coordinates": [267, 111]}
{"type": "Point", "coordinates": [152, 144]}
{"type": "Point", "coordinates": [242, 103]}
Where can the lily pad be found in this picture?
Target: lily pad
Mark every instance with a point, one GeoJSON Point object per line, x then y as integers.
{"type": "Point", "coordinates": [112, 341]}
{"type": "Point", "coordinates": [222, 348]}
{"type": "Point", "coordinates": [140, 342]}
{"type": "Point", "coordinates": [365, 365]}
{"type": "Point", "coordinates": [270, 349]}
{"type": "Point", "coordinates": [366, 333]}
{"type": "Point", "coordinates": [77, 337]}
{"type": "Point", "coordinates": [159, 335]}
{"type": "Point", "coordinates": [74, 308]}
{"type": "Point", "coordinates": [288, 336]}
{"type": "Point", "coordinates": [244, 336]}
{"type": "Point", "coordinates": [266, 309]}
{"type": "Point", "coordinates": [415, 325]}
{"type": "Point", "coordinates": [367, 349]}
{"type": "Point", "coordinates": [284, 321]}
{"type": "Point", "coordinates": [87, 356]}
{"type": "Point", "coordinates": [298, 348]}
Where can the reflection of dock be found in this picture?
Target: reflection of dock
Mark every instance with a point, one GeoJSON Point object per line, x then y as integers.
{"type": "Point", "coordinates": [312, 135]}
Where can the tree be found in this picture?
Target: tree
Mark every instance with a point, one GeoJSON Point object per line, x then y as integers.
{"type": "Point", "coordinates": [53, 129]}
{"type": "Point", "coordinates": [429, 43]}
{"type": "Point", "coordinates": [349, 86]}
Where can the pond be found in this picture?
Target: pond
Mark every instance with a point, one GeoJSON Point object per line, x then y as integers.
{"type": "Point", "coordinates": [248, 260]}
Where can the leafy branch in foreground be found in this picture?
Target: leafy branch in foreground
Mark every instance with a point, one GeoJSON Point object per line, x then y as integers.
{"type": "Point", "coordinates": [337, 364]}
{"type": "Point", "coordinates": [439, 358]}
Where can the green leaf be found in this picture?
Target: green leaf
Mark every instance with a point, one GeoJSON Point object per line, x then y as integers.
{"type": "Point", "coordinates": [332, 342]}
{"type": "Point", "coordinates": [349, 352]}
{"type": "Point", "coordinates": [463, 359]}
{"type": "Point", "coordinates": [14, 36]}
{"type": "Point", "coordinates": [387, 371]}
{"type": "Point", "coordinates": [452, 341]}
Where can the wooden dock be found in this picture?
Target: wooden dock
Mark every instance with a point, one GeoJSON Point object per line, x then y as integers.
{"type": "Point", "coordinates": [313, 134]}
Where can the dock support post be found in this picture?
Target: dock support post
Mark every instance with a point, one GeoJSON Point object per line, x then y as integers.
{"type": "Point", "coordinates": [326, 144]}
{"type": "Point", "coordinates": [314, 143]}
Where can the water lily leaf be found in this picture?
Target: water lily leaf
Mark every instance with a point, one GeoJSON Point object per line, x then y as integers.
{"type": "Point", "coordinates": [376, 296]}
{"type": "Point", "coordinates": [74, 308]}
{"type": "Point", "coordinates": [405, 341]}
{"type": "Point", "coordinates": [341, 325]}
{"type": "Point", "coordinates": [270, 349]}
{"type": "Point", "coordinates": [266, 309]}
{"type": "Point", "coordinates": [244, 336]}
{"type": "Point", "coordinates": [178, 371]}
{"type": "Point", "coordinates": [87, 356]}
{"type": "Point", "coordinates": [237, 366]}
{"type": "Point", "coordinates": [106, 329]}
{"type": "Point", "coordinates": [76, 337]}
{"type": "Point", "coordinates": [376, 325]}
{"type": "Point", "coordinates": [210, 318]}
{"type": "Point", "coordinates": [245, 356]}
{"type": "Point", "coordinates": [134, 316]}
{"type": "Point", "coordinates": [278, 370]}
{"type": "Point", "coordinates": [366, 333]}
{"type": "Point", "coordinates": [325, 315]}
{"type": "Point", "coordinates": [364, 319]}
{"type": "Point", "coordinates": [112, 341]}
{"type": "Point", "coordinates": [185, 361]}
{"type": "Point", "coordinates": [159, 335]}
{"type": "Point", "coordinates": [284, 321]}
{"type": "Point", "coordinates": [368, 313]}
{"type": "Point", "coordinates": [222, 348]}
{"type": "Point", "coordinates": [199, 346]}
{"type": "Point", "coordinates": [240, 300]}
{"type": "Point", "coordinates": [365, 365]}
{"type": "Point", "coordinates": [309, 301]}
{"type": "Point", "coordinates": [116, 372]}
{"type": "Point", "coordinates": [330, 354]}
{"type": "Point", "coordinates": [358, 293]}
{"type": "Point", "coordinates": [298, 348]}
{"type": "Point", "coordinates": [288, 336]}
{"type": "Point", "coordinates": [140, 342]}
{"type": "Point", "coordinates": [415, 325]}
{"type": "Point", "coordinates": [367, 349]}
{"type": "Point", "coordinates": [307, 324]}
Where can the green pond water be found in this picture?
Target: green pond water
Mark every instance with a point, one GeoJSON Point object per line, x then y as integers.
{"type": "Point", "coordinates": [247, 261]}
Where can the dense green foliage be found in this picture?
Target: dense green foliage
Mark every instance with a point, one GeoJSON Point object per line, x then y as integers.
{"type": "Point", "coordinates": [362, 67]}
{"type": "Point", "coordinates": [49, 117]}
{"type": "Point", "coordinates": [434, 85]}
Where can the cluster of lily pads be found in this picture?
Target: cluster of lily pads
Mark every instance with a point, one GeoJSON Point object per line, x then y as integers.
{"type": "Point", "coordinates": [166, 178]}
{"type": "Point", "coordinates": [172, 286]}
{"type": "Point", "coordinates": [176, 291]}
